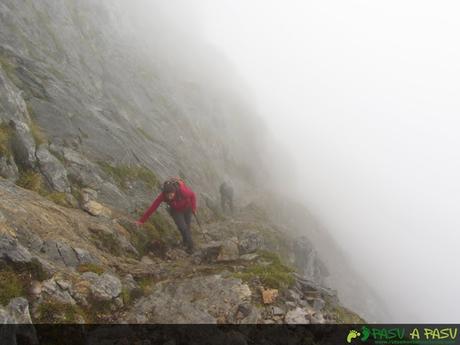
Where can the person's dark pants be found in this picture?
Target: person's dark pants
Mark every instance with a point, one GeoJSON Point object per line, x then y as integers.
{"type": "Point", "coordinates": [226, 199]}
{"type": "Point", "coordinates": [183, 220]}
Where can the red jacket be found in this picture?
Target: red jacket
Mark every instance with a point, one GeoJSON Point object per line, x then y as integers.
{"type": "Point", "coordinates": [185, 198]}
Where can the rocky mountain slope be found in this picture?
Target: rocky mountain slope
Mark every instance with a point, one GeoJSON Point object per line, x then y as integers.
{"type": "Point", "coordinates": [89, 126]}
{"type": "Point", "coordinates": [65, 265]}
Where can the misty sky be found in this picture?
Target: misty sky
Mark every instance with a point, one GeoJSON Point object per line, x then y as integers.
{"type": "Point", "coordinates": [364, 96]}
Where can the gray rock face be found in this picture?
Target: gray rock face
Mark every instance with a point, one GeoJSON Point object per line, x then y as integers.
{"type": "Point", "coordinates": [60, 252]}
{"type": "Point", "coordinates": [105, 287]}
{"type": "Point", "coordinates": [53, 170]}
{"type": "Point", "coordinates": [17, 312]}
{"type": "Point", "coordinates": [226, 250]}
{"type": "Point", "coordinates": [23, 145]}
{"type": "Point", "coordinates": [307, 260]}
{"type": "Point", "coordinates": [250, 243]}
{"type": "Point", "coordinates": [197, 300]}
{"type": "Point", "coordinates": [318, 304]}
{"type": "Point", "coordinates": [12, 250]}
{"type": "Point", "coordinates": [129, 283]}
{"type": "Point", "coordinates": [277, 311]}
{"type": "Point", "coordinates": [229, 250]}
{"type": "Point", "coordinates": [13, 105]}
{"type": "Point", "coordinates": [81, 169]}
{"type": "Point", "coordinates": [29, 239]}
{"type": "Point", "coordinates": [296, 316]}
{"type": "Point", "coordinates": [85, 257]}
{"type": "Point", "coordinates": [56, 292]}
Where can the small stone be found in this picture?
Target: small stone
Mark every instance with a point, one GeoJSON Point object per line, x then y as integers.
{"type": "Point", "coordinates": [269, 296]}
{"type": "Point", "coordinates": [12, 250]}
{"type": "Point", "coordinates": [317, 318]}
{"type": "Point", "coordinates": [296, 316]}
{"type": "Point", "coordinates": [277, 311]}
{"type": "Point", "coordinates": [229, 250]}
{"type": "Point", "coordinates": [63, 284]}
{"type": "Point", "coordinates": [35, 288]}
{"type": "Point", "coordinates": [96, 209]}
{"type": "Point", "coordinates": [249, 257]}
{"type": "Point", "coordinates": [146, 260]}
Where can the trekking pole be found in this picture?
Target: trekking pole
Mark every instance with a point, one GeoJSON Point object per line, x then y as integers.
{"type": "Point", "coordinates": [199, 224]}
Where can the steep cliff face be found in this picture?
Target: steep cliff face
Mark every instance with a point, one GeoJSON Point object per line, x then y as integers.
{"type": "Point", "coordinates": [90, 123]}
{"type": "Point", "coordinates": [74, 73]}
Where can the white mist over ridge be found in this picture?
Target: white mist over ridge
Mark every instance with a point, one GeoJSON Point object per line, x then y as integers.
{"type": "Point", "coordinates": [363, 94]}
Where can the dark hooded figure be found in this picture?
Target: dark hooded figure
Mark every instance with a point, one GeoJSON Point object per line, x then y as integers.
{"type": "Point", "coordinates": [226, 196]}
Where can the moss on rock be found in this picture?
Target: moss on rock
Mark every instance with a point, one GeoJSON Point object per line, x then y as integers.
{"type": "Point", "coordinates": [270, 270]}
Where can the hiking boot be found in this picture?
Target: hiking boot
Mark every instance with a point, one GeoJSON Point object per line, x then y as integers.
{"type": "Point", "coordinates": [189, 250]}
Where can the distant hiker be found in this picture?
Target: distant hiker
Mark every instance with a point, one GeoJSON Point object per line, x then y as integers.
{"type": "Point", "coordinates": [226, 196]}
{"type": "Point", "coordinates": [182, 203]}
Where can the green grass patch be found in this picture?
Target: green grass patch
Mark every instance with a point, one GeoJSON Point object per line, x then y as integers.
{"type": "Point", "coordinates": [270, 270]}
{"type": "Point", "coordinates": [157, 228]}
{"type": "Point", "coordinates": [146, 285]}
{"type": "Point", "coordinates": [129, 296]}
{"type": "Point", "coordinates": [6, 134]}
{"type": "Point", "coordinates": [32, 180]}
{"type": "Point", "coordinates": [38, 134]}
{"type": "Point", "coordinates": [11, 286]}
{"type": "Point", "coordinates": [161, 223]}
{"type": "Point", "coordinates": [142, 238]}
{"type": "Point", "coordinates": [90, 268]}
{"type": "Point", "coordinates": [56, 312]}
{"type": "Point", "coordinates": [107, 242]}
{"type": "Point", "coordinates": [121, 174]}
{"type": "Point", "coordinates": [58, 198]}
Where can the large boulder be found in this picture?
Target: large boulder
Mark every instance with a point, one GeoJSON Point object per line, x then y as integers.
{"type": "Point", "coordinates": [229, 250]}
{"type": "Point", "coordinates": [250, 242]}
{"type": "Point", "coordinates": [23, 145]}
{"type": "Point", "coordinates": [16, 322]}
{"type": "Point", "coordinates": [60, 252]}
{"type": "Point", "coordinates": [103, 288]}
{"type": "Point", "coordinates": [12, 250]}
{"type": "Point", "coordinates": [85, 257]}
{"type": "Point", "coordinates": [57, 290]}
{"type": "Point", "coordinates": [209, 299]}
{"type": "Point", "coordinates": [220, 251]}
{"type": "Point", "coordinates": [53, 170]}
{"type": "Point", "coordinates": [79, 168]}
{"type": "Point", "coordinates": [297, 316]}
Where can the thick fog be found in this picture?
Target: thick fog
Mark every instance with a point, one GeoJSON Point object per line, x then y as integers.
{"type": "Point", "coordinates": [364, 96]}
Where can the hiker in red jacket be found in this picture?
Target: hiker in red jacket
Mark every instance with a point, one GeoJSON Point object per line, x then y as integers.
{"type": "Point", "coordinates": [182, 203]}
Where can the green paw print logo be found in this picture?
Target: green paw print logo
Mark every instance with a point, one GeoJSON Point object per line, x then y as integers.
{"type": "Point", "coordinates": [352, 335]}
